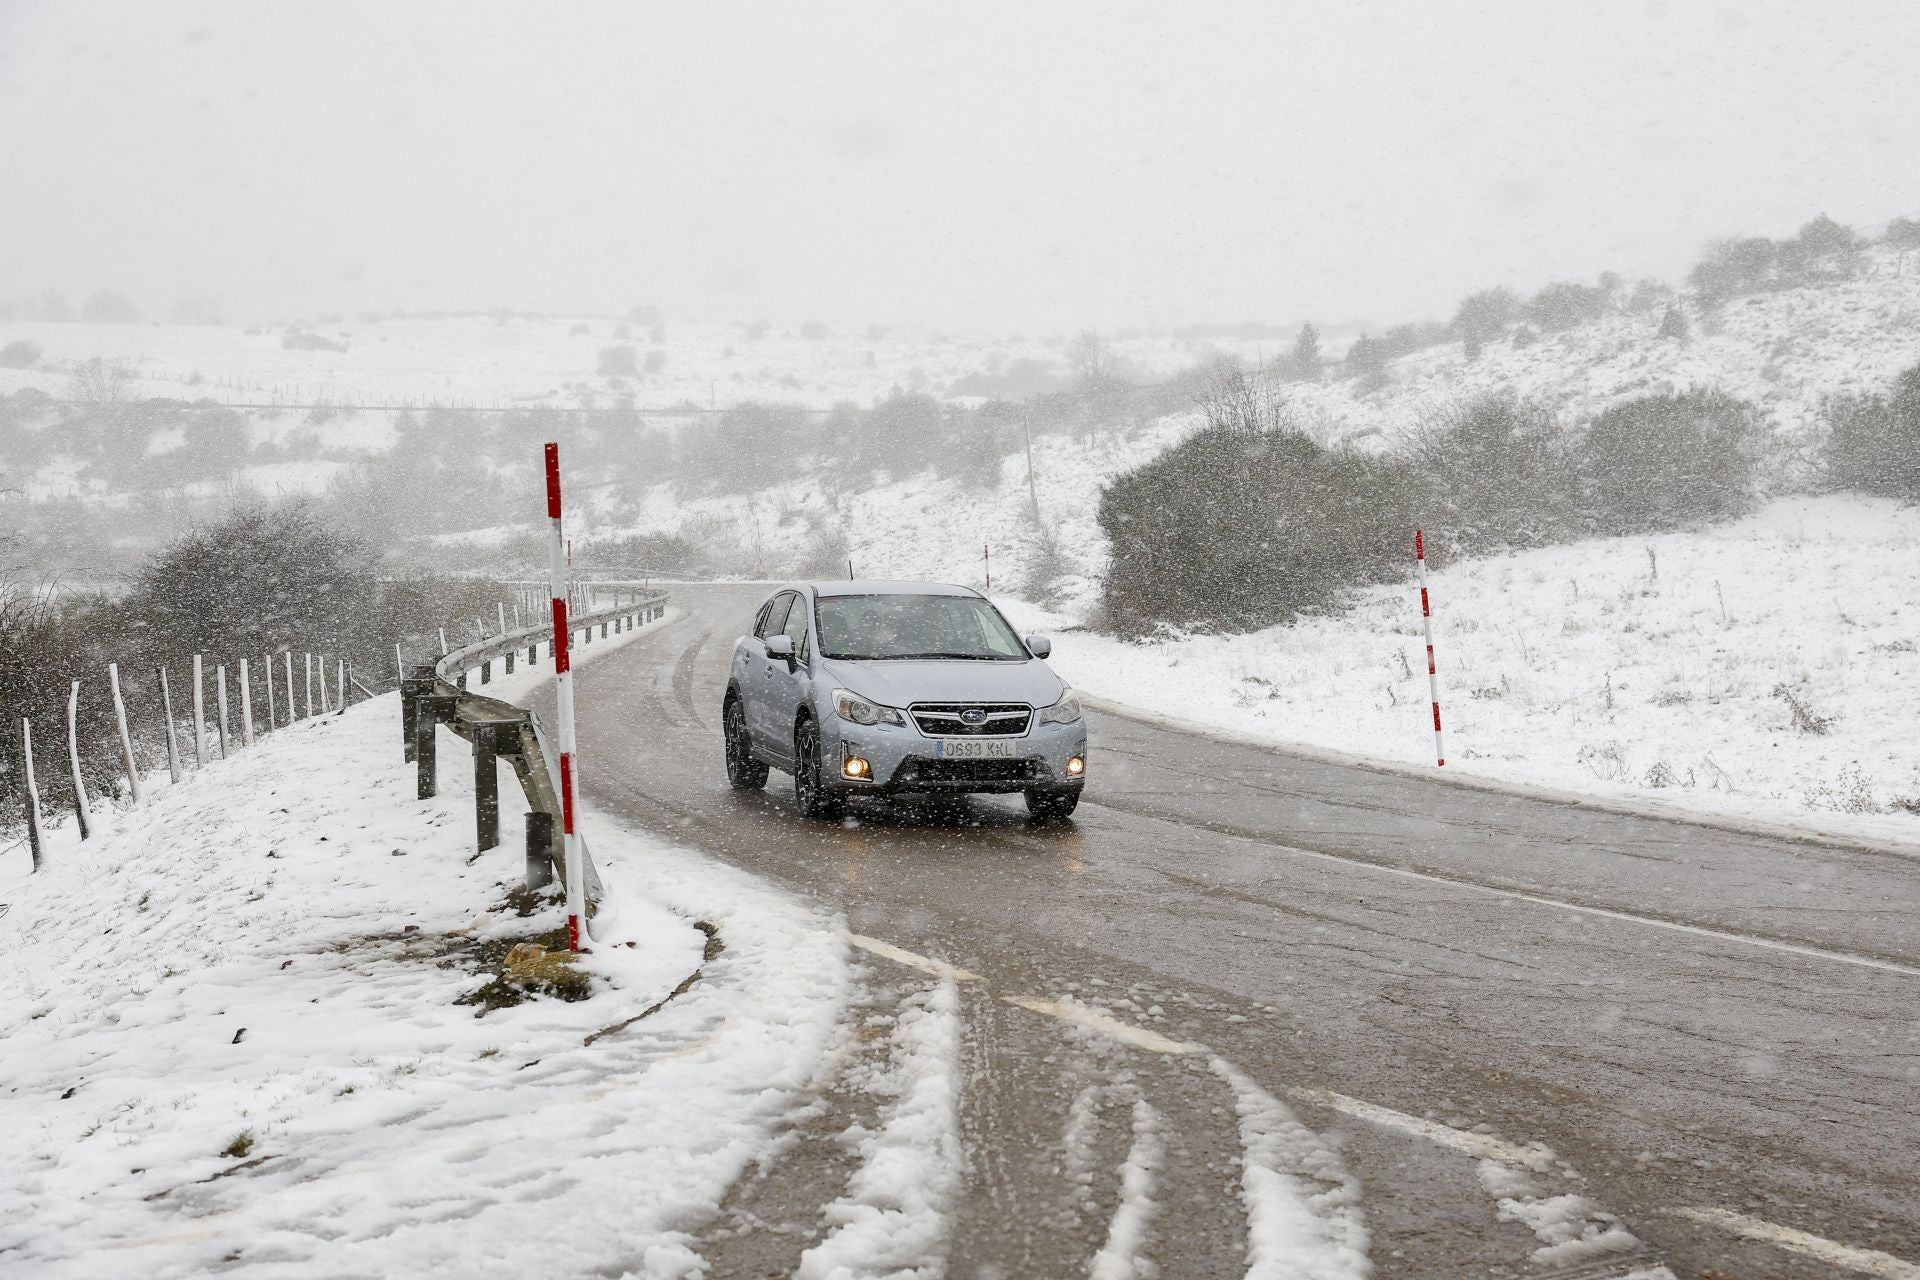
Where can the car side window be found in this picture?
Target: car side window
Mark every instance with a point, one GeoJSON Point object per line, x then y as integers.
{"type": "Point", "coordinates": [773, 616]}
{"type": "Point", "coordinates": [797, 627]}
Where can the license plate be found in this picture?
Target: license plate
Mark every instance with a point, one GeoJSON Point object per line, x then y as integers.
{"type": "Point", "coordinates": [975, 749]}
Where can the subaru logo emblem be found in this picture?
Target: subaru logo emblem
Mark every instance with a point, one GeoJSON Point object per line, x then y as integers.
{"type": "Point", "coordinates": [973, 715]}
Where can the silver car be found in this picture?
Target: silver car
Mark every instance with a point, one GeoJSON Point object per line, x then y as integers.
{"type": "Point", "coordinates": [871, 688]}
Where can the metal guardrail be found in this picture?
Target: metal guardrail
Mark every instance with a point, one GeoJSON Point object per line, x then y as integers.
{"type": "Point", "coordinates": [444, 693]}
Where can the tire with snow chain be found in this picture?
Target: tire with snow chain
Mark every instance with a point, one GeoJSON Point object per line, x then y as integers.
{"type": "Point", "coordinates": [743, 771]}
{"type": "Point", "coordinates": [811, 794]}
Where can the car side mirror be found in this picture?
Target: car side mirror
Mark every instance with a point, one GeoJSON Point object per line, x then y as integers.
{"type": "Point", "coordinates": [780, 646]}
{"type": "Point", "coordinates": [1039, 646]}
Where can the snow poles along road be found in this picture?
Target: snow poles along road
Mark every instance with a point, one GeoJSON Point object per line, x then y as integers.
{"type": "Point", "coordinates": [559, 587]}
{"type": "Point", "coordinates": [126, 740]}
{"type": "Point", "coordinates": [1433, 676]}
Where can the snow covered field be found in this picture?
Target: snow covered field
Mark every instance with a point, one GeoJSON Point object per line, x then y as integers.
{"type": "Point", "coordinates": [1666, 670]}
{"type": "Point", "coordinates": [230, 1039]}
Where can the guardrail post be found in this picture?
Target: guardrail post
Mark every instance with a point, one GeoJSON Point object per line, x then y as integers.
{"type": "Point", "coordinates": [433, 708]}
{"type": "Point", "coordinates": [486, 671]}
{"type": "Point", "coordinates": [539, 849]}
{"type": "Point", "coordinates": [486, 788]}
{"type": "Point", "coordinates": [412, 689]}
{"type": "Point", "coordinates": [510, 654]}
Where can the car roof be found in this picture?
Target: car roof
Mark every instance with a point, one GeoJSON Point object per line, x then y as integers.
{"type": "Point", "coordinates": [884, 587]}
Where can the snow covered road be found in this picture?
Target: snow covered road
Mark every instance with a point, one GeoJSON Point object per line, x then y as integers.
{"type": "Point", "coordinates": [1461, 1032]}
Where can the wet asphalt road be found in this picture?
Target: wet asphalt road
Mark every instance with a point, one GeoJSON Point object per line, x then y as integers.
{"type": "Point", "coordinates": [1412, 945]}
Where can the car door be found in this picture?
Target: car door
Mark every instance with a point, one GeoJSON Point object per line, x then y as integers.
{"type": "Point", "coordinates": [757, 683]}
{"type": "Point", "coordinates": [787, 688]}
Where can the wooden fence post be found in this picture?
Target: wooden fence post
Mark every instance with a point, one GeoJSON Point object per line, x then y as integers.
{"type": "Point", "coordinates": [293, 710]}
{"type": "Point", "coordinates": [199, 717]}
{"type": "Point", "coordinates": [173, 738]}
{"type": "Point", "coordinates": [33, 791]}
{"type": "Point", "coordinates": [73, 761]}
{"type": "Point", "coordinates": [340, 681]}
{"type": "Point", "coordinates": [307, 662]}
{"type": "Point", "coordinates": [126, 740]}
{"type": "Point", "coordinates": [272, 724]}
{"type": "Point", "coordinates": [246, 705]}
{"type": "Point", "coordinates": [220, 688]}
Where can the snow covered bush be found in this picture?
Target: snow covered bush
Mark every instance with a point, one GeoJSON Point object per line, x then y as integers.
{"type": "Point", "coordinates": [1874, 446]}
{"type": "Point", "coordinates": [1499, 473]}
{"type": "Point", "coordinates": [621, 361]}
{"type": "Point", "coordinates": [19, 354]}
{"type": "Point", "coordinates": [1662, 461]}
{"type": "Point", "coordinates": [1250, 521]}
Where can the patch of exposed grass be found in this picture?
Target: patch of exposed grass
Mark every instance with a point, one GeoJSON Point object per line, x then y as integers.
{"type": "Point", "coordinates": [527, 967]}
{"type": "Point", "coordinates": [241, 1145]}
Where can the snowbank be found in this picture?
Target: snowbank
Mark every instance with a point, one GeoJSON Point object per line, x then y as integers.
{"type": "Point", "coordinates": [230, 1040]}
{"type": "Point", "coordinates": [1765, 669]}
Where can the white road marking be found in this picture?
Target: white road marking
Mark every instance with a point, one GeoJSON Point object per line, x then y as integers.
{"type": "Point", "coordinates": [1870, 1262]}
{"type": "Point", "coordinates": [1482, 1146]}
{"type": "Point", "coordinates": [1123, 1255]}
{"type": "Point", "coordinates": [1093, 1019]}
{"type": "Point", "coordinates": [913, 960]}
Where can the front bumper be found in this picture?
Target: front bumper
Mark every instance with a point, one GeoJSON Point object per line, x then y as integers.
{"type": "Point", "coordinates": [901, 759]}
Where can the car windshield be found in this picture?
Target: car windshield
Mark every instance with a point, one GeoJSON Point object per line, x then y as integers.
{"type": "Point", "coordinates": [864, 627]}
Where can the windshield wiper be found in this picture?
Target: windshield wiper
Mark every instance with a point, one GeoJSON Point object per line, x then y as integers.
{"type": "Point", "coordinates": [973, 657]}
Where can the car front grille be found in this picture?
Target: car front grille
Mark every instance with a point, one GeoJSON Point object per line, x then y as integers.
{"type": "Point", "coordinates": [944, 719]}
{"type": "Point", "coordinates": [920, 769]}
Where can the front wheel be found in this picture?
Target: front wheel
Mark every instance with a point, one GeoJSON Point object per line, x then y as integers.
{"type": "Point", "coordinates": [1053, 804]}
{"type": "Point", "coordinates": [811, 794]}
{"type": "Point", "coordinates": [743, 771]}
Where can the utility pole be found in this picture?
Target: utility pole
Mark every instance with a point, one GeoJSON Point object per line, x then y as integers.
{"type": "Point", "coordinates": [1033, 493]}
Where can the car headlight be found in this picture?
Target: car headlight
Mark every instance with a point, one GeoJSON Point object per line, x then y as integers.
{"type": "Point", "coordinates": [1065, 711]}
{"type": "Point", "coordinates": [849, 705]}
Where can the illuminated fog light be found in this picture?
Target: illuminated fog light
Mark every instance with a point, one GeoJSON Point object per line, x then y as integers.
{"type": "Point", "coordinates": [1076, 765]}
{"type": "Point", "coordinates": [856, 767]}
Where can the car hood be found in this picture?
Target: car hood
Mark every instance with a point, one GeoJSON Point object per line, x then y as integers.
{"type": "Point", "coordinates": [901, 683]}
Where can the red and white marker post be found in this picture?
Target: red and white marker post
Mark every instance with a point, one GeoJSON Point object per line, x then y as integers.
{"type": "Point", "coordinates": [558, 586]}
{"type": "Point", "coordinates": [1433, 675]}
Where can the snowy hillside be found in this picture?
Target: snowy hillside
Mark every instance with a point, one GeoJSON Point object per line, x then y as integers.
{"type": "Point", "coordinates": [1763, 670]}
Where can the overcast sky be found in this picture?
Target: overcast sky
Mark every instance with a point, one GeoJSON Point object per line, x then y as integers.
{"type": "Point", "coordinates": [1025, 166]}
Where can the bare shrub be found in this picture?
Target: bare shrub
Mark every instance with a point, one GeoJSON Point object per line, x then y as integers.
{"type": "Point", "coordinates": [299, 340]}
{"type": "Point", "coordinates": [1805, 718]}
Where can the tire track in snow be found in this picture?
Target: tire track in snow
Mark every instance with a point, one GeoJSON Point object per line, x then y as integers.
{"type": "Point", "coordinates": [1123, 1257]}
{"type": "Point", "coordinates": [1303, 1208]}
{"type": "Point", "coordinates": [896, 1215]}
